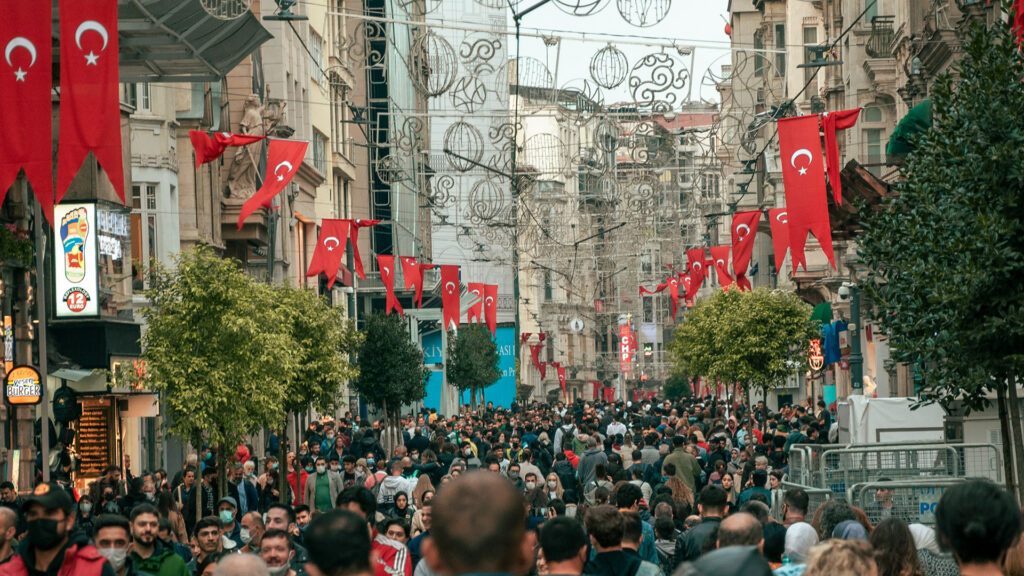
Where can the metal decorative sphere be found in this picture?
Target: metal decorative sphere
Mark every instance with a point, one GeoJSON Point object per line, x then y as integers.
{"type": "Point", "coordinates": [606, 135]}
{"type": "Point", "coordinates": [465, 140]}
{"type": "Point", "coordinates": [643, 13]}
{"type": "Point", "coordinates": [580, 100]}
{"type": "Point", "coordinates": [657, 80]}
{"type": "Point", "coordinates": [532, 73]}
{"type": "Point", "coordinates": [468, 94]}
{"type": "Point", "coordinates": [545, 153]}
{"type": "Point", "coordinates": [609, 67]}
{"type": "Point", "coordinates": [387, 170]}
{"type": "Point", "coordinates": [435, 65]}
{"type": "Point", "coordinates": [486, 198]}
{"type": "Point", "coordinates": [579, 7]}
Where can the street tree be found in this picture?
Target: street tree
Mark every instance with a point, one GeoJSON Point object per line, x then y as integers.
{"type": "Point", "coordinates": [677, 386]}
{"type": "Point", "coordinates": [755, 339]}
{"type": "Point", "coordinates": [216, 347]}
{"type": "Point", "coordinates": [945, 254]}
{"type": "Point", "coordinates": [323, 341]}
{"type": "Point", "coordinates": [391, 371]}
{"type": "Point", "coordinates": [472, 361]}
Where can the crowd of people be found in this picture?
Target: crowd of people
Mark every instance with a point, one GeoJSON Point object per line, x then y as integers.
{"type": "Point", "coordinates": [616, 489]}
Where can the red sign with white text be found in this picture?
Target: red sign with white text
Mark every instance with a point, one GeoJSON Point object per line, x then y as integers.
{"type": "Point", "coordinates": [625, 348]}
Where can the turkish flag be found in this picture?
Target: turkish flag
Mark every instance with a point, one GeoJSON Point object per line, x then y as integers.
{"type": "Point", "coordinates": [609, 394]}
{"type": "Point", "coordinates": [412, 273]}
{"type": "Point", "coordinates": [803, 175]}
{"type": "Point", "coordinates": [720, 260]}
{"type": "Point", "coordinates": [330, 249]}
{"type": "Point", "coordinates": [450, 296]}
{"type": "Point", "coordinates": [387, 276]}
{"type": "Point", "coordinates": [26, 122]}
{"type": "Point", "coordinates": [695, 266]}
{"type": "Point", "coordinates": [535, 350]}
{"type": "Point", "coordinates": [561, 375]}
{"type": "Point", "coordinates": [597, 388]}
{"type": "Point", "coordinates": [491, 307]}
{"type": "Point", "coordinates": [690, 287]}
{"type": "Point", "coordinates": [830, 122]}
{"type": "Point", "coordinates": [673, 291]}
{"type": "Point", "coordinates": [778, 219]}
{"type": "Point", "coordinates": [1018, 20]}
{"type": "Point", "coordinates": [283, 159]}
{"type": "Point", "coordinates": [522, 337]}
{"type": "Point", "coordinates": [659, 288]}
{"type": "Point", "coordinates": [210, 147]}
{"type": "Point", "coordinates": [744, 230]}
{"type": "Point", "coordinates": [357, 261]}
{"type": "Point", "coordinates": [90, 102]}
{"type": "Point", "coordinates": [475, 311]}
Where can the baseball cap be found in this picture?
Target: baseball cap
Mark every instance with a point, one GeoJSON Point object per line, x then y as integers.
{"type": "Point", "coordinates": [229, 500]}
{"type": "Point", "coordinates": [51, 496]}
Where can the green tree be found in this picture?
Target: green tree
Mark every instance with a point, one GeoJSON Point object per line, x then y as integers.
{"type": "Point", "coordinates": [756, 339]}
{"type": "Point", "coordinates": [472, 361]}
{"type": "Point", "coordinates": [323, 340]}
{"type": "Point", "coordinates": [946, 252]}
{"type": "Point", "coordinates": [677, 386]}
{"type": "Point", "coordinates": [391, 371]}
{"type": "Point", "coordinates": [216, 348]}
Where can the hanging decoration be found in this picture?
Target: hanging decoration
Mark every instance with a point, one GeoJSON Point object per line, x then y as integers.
{"type": "Point", "coordinates": [609, 67]}
{"type": "Point", "coordinates": [673, 298]}
{"type": "Point", "coordinates": [330, 250]}
{"type": "Point", "coordinates": [744, 230]}
{"type": "Point", "coordinates": [830, 123]}
{"type": "Point", "coordinates": [450, 293]}
{"type": "Point", "coordinates": [695, 267]}
{"type": "Point", "coordinates": [386, 264]}
{"type": "Point", "coordinates": [285, 156]}
{"type": "Point", "coordinates": [643, 13]}
{"type": "Point", "coordinates": [475, 311]}
{"type": "Point", "coordinates": [803, 175]}
{"type": "Point", "coordinates": [778, 219]}
{"type": "Point", "coordinates": [357, 261]}
{"type": "Point", "coordinates": [535, 350]}
{"type": "Point", "coordinates": [90, 102]}
{"type": "Point", "coordinates": [209, 147]}
{"type": "Point", "coordinates": [491, 308]}
{"type": "Point", "coordinates": [720, 260]}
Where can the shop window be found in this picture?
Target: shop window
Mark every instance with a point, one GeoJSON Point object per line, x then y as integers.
{"type": "Point", "coordinates": [144, 234]}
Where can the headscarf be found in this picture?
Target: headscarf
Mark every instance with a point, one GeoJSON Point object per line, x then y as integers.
{"type": "Point", "coordinates": [850, 530]}
{"type": "Point", "coordinates": [924, 538]}
{"type": "Point", "coordinates": [800, 537]}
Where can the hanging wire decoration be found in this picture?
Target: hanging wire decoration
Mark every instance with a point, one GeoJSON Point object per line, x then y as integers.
{"type": "Point", "coordinates": [609, 67]}
{"type": "Point", "coordinates": [409, 137]}
{"type": "Point", "coordinates": [580, 7]}
{"type": "Point", "coordinates": [533, 73]}
{"type": "Point", "coordinates": [486, 199]}
{"type": "Point", "coordinates": [545, 154]}
{"type": "Point", "coordinates": [366, 45]}
{"type": "Point", "coordinates": [657, 80]}
{"type": "Point", "coordinates": [580, 100]}
{"type": "Point", "coordinates": [463, 139]}
{"type": "Point", "coordinates": [434, 64]}
{"type": "Point", "coordinates": [441, 192]}
{"type": "Point", "coordinates": [468, 94]}
{"type": "Point", "coordinates": [643, 13]}
{"type": "Point", "coordinates": [225, 9]}
{"type": "Point", "coordinates": [479, 48]}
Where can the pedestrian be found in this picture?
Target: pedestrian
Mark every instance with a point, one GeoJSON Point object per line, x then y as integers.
{"type": "Point", "coordinates": [841, 558]}
{"type": "Point", "coordinates": [251, 533]}
{"type": "Point", "coordinates": [208, 544]}
{"type": "Point", "coordinates": [148, 554]}
{"type": "Point", "coordinates": [113, 541]}
{"type": "Point", "coordinates": [392, 558]}
{"type": "Point", "coordinates": [563, 547]}
{"type": "Point", "coordinates": [894, 549]}
{"type": "Point", "coordinates": [687, 468]}
{"type": "Point", "coordinates": [606, 527]}
{"type": "Point", "coordinates": [227, 513]}
{"type": "Point", "coordinates": [84, 516]}
{"type": "Point", "coordinates": [243, 490]}
{"type": "Point", "coordinates": [339, 545]}
{"type": "Point", "coordinates": [8, 529]}
{"type": "Point", "coordinates": [711, 506]}
{"type": "Point", "coordinates": [241, 565]}
{"type": "Point", "coordinates": [277, 551]}
{"type": "Point", "coordinates": [979, 521]}
{"type": "Point", "coordinates": [740, 529]}
{"type": "Point", "coordinates": [322, 487]}
{"type": "Point", "coordinates": [168, 509]}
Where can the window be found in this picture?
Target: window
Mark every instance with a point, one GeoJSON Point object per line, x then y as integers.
{"type": "Point", "coordinates": [780, 44]}
{"type": "Point", "coordinates": [144, 234]}
{"type": "Point", "coordinates": [138, 96]}
{"type": "Point", "coordinates": [873, 139]}
{"type": "Point", "coordinates": [548, 289]}
{"type": "Point", "coordinates": [758, 58]}
{"type": "Point", "coordinates": [316, 48]}
{"type": "Point", "coordinates": [709, 186]}
{"type": "Point", "coordinates": [871, 10]}
{"type": "Point", "coordinates": [872, 114]}
{"type": "Point", "coordinates": [810, 39]}
{"type": "Point", "coordinates": [320, 152]}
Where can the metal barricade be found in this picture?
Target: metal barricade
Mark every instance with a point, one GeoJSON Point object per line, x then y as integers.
{"type": "Point", "coordinates": [980, 461]}
{"type": "Point", "coordinates": [842, 468]}
{"type": "Point", "coordinates": [810, 456]}
{"type": "Point", "coordinates": [909, 500]}
{"type": "Point", "coordinates": [815, 496]}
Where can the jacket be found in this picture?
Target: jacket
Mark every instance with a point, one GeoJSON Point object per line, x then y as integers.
{"type": "Point", "coordinates": [389, 557]}
{"type": "Point", "coordinates": [163, 562]}
{"type": "Point", "coordinates": [690, 544]}
{"type": "Point", "coordinates": [620, 563]}
{"type": "Point", "coordinates": [687, 468]}
{"type": "Point", "coordinates": [78, 558]}
{"type": "Point", "coordinates": [334, 483]}
{"type": "Point", "coordinates": [252, 496]}
{"type": "Point", "coordinates": [587, 463]}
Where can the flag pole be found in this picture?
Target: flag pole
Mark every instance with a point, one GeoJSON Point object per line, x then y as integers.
{"type": "Point", "coordinates": [41, 334]}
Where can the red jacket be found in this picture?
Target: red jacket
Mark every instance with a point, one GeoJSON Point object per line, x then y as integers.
{"type": "Point", "coordinates": [390, 558]}
{"type": "Point", "coordinates": [79, 560]}
{"type": "Point", "coordinates": [300, 490]}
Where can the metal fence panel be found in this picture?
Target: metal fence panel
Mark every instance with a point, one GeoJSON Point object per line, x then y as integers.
{"type": "Point", "coordinates": [910, 500]}
{"type": "Point", "coordinates": [815, 496]}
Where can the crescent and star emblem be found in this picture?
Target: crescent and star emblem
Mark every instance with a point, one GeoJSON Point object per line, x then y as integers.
{"type": "Point", "coordinates": [489, 301]}
{"type": "Point", "coordinates": [336, 243]}
{"type": "Point", "coordinates": [450, 287]}
{"type": "Point", "coordinates": [387, 271]}
{"type": "Point", "coordinates": [799, 153]}
{"type": "Point", "coordinates": [743, 236]}
{"type": "Point", "coordinates": [697, 266]}
{"type": "Point", "coordinates": [280, 177]}
{"type": "Point", "coordinates": [20, 42]}
{"type": "Point", "coordinates": [91, 25]}
{"type": "Point", "coordinates": [720, 262]}
{"type": "Point", "coordinates": [782, 217]}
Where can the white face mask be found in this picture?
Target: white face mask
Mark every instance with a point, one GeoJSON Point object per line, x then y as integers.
{"type": "Point", "coordinates": [552, 484]}
{"type": "Point", "coordinates": [116, 556]}
{"type": "Point", "coordinates": [531, 485]}
{"type": "Point", "coordinates": [279, 570]}
{"type": "Point", "coordinates": [321, 469]}
{"type": "Point", "coordinates": [245, 536]}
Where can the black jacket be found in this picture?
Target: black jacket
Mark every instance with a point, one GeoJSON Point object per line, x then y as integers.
{"type": "Point", "coordinates": [617, 563]}
{"type": "Point", "coordinates": [690, 544]}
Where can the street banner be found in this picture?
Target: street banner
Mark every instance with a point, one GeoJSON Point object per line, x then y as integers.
{"type": "Point", "coordinates": [695, 267]}
{"type": "Point", "coordinates": [720, 257]}
{"type": "Point", "coordinates": [491, 307]}
{"type": "Point", "coordinates": [803, 175]}
{"type": "Point", "coordinates": [26, 125]}
{"type": "Point", "coordinates": [475, 311]}
{"type": "Point", "coordinates": [330, 250]}
{"type": "Point", "coordinates": [625, 350]}
{"type": "Point", "coordinates": [76, 274]}
{"type": "Point", "coordinates": [830, 123]}
{"type": "Point", "coordinates": [673, 295]}
{"type": "Point", "coordinates": [90, 100]}
{"type": "Point", "coordinates": [744, 230]}
{"type": "Point", "coordinates": [283, 159]}
{"type": "Point", "coordinates": [535, 350]}
{"type": "Point", "coordinates": [778, 219]}
{"type": "Point", "coordinates": [450, 296]}
{"type": "Point", "coordinates": [209, 147]}
{"type": "Point", "coordinates": [357, 260]}
{"type": "Point", "coordinates": [386, 264]}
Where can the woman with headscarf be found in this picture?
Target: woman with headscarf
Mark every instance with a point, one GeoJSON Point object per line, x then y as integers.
{"type": "Point", "coordinates": [800, 538]}
{"type": "Point", "coordinates": [403, 509]}
{"type": "Point", "coordinates": [850, 530]}
{"type": "Point", "coordinates": [932, 560]}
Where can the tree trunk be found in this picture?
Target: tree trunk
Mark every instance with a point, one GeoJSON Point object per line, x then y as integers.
{"type": "Point", "coordinates": [222, 476]}
{"type": "Point", "coordinates": [472, 399]}
{"type": "Point", "coordinates": [1009, 476]}
{"type": "Point", "coordinates": [282, 462]}
{"type": "Point", "coordinates": [764, 409]}
{"type": "Point", "coordinates": [197, 486]}
{"type": "Point", "coordinates": [1018, 439]}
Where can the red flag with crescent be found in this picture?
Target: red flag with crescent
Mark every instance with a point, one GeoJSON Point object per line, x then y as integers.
{"type": "Point", "coordinates": [27, 119]}
{"type": "Point", "coordinates": [357, 261]}
{"type": "Point", "coordinates": [744, 230]}
{"type": "Point", "coordinates": [695, 266]}
{"type": "Point", "coordinates": [535, 350]}
{"type": "Point", "coordinates": [609, 394]}
{"type": "Point", "coordinates": [597, 388]}
{"type": "Point", "coordinates": [561, 375]}
{"type": "Point", "coordinates": [209, 146]}
{"type": "Point", "coordinates": [720, 259]}
{"type": "Point", "coordinates": [830, 123]}
{"type": "Point", "coordinates": [491, 307]}
{"type": "Point", "coordinates": [673, 291]}
{"type": "Point", "coordinates": [90, 99]}
{"type": "Point", "coordinates": [283, 160]}
{"type": "Point", "coordinates": [330, 250]}
{"type": "Point", "coordinates": [778, 219]}
{"type": "Point", "coordinates": [658, 289]}
{"type": "Point", "coordinates": [803, 175]}
{"type": "Point", "coordinates": [475, 311]}
{"type": "Point", "coordinates": [450, 296]}
{"type": "Point", "coordinates": [386, 264]}
{"type": "Point", "coordinates": [690, 288]}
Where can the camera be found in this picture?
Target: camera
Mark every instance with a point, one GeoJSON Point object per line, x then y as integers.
{"type": "Point", "coordinates": [844, 292]}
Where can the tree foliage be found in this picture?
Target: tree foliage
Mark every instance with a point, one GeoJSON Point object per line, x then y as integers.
{"type": "Point", "coordinates": [946, 252]}
{"type": "Point", "coordinates": [755, 339]}
{"type": "Point", "coordinates": [677, 386]}
{"type": "Point", "coordinates": [472, 361]}
{"type": "Point", "coordinates": [217, 347]}
{"type": "Point", "coordinates": [391, 371]}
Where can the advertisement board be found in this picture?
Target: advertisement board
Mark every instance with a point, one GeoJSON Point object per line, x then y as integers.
{"type": "Point", "coordinates": [22, 387]}
{"type": "Point", "coordinates": [625, 348]}
{"type": "Point", "coordinates": [76, 275]}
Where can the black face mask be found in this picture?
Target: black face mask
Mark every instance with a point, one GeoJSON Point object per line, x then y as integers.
{"type": "Point", "coordinates": [108, 496]}
{"type": "Point", "coordinates": [43, 534]}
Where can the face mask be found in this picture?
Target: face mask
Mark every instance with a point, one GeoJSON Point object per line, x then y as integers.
{"type": "Point", "coordinates": [370, 462]}
{"type": "Point", "coordinates": [513, 475]}
{"type": "Point", "coordinates": [278, 570]}
{"type": "Point", "coordinates": [335, 468]}
{"type": "Point", "coordinates": [150, 496]}
{"type": "Point", "coordinates": [321, 469]}
{"type": "Point", "coordinates": [43, 533]}
{"type": "Point", "coordinates": [416, 457]}
{"type": "Point", "coordinates": [309, 469]}
{"type": "Point", "coordinates": [108, 496]}
{"type": "Point", "coordinates": [226, 516]}
{"type": "Point", "coordinates": [245, 536]}
{"type": "Point", "coordinates": [330, 437]}
{"type": "Point", "coordinates": [116, 556]}
{"type": "Point", "coordinates": [274, 466]}
{"type": "Point", "coordinates": [85, 507]}
{"type": "Point", "coordinates": [531, 485]}
{"type": "Point", "coordinates": [468, 451]}
{"type": "Point", "coordinates": [552, 484]}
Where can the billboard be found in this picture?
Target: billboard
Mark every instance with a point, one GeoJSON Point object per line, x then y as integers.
{"type": "Point", "coordinates": [76, 275]}
{"type": "Point", "coordinates": [502, 392]}
{"type": "Point", "coordinates": [22, 386]}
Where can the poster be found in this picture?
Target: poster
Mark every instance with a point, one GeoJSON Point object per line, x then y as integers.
{"type": "Point", "coordinates": [22, 387]}
{"type": "Point", "coordinates": [76, 277]}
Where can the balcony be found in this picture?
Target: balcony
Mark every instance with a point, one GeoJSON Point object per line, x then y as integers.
{"type": "Point", "coordinates": [882, 34]}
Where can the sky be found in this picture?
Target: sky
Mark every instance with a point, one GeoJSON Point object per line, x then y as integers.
{"type": "Point", "coordinates": [697, 23]}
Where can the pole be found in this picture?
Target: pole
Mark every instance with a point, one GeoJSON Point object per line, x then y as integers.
{"type": "Point", "coordinates": [856, 360]}
{"type": "Point", "coordinates": [44, 405]}
{"type": "Point", "coordinates": [271, 237]}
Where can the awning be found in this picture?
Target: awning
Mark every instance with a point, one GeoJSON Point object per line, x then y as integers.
{"type": "Point", "coordinates": [179, 41]}
{"type": "Point", "coordinates": [917, 120]}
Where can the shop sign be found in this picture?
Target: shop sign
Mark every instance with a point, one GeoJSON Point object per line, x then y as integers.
{"type": "Point", "coordinates": [816, 359]}
{"type": "Point", "coordinates": [76, 275]}
{"type": "Point", "coordinates": [22, 386]}
{"type": "Point", "coordinates": [625, 348]}
{"type": "Point", "coordinates": [8, 344]}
